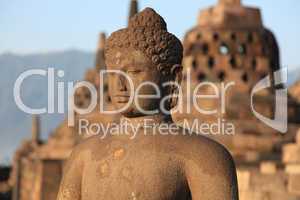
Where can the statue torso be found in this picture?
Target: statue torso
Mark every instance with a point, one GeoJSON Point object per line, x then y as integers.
{"type": "Point", "coordinates": [143, 168]}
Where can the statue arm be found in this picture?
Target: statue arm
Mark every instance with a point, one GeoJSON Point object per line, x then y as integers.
{"type": "Point", "coordinates": [70, 187]}
{"type": "Point", "coordinates": [213, 177]}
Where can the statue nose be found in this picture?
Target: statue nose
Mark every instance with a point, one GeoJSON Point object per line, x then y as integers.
{"type": "Point", "coordinates": [121, 83]}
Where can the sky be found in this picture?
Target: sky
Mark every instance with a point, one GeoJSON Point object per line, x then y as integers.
{"type": "Point", "coordinates": [33, 26]}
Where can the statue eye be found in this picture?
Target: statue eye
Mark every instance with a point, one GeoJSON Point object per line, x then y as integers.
{"type": "Point", "coordinates": [134, 71]}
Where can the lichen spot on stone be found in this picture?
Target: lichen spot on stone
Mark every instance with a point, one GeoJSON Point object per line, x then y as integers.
{"type": "Point", "coordinates": [118, 154]}
{"type": "Point", "coordinates": [104, 169]}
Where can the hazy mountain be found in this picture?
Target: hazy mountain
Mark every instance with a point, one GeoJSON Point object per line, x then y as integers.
{"type": "Point", "coordinates": [15, 124]}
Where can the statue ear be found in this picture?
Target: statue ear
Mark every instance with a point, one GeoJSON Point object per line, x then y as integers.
{"type": "Point", "coordinates": [176, 69]}
{"type": "Point", "coordinates": [176, 72]}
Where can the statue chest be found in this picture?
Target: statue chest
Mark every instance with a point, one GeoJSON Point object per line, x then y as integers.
{"type": "Point", "coordinates": [137, 176]}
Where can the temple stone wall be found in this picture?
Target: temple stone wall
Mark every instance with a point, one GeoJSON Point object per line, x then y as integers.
{"type": "Point", "coordinates": [265, 185]}
{"type": "Point", "coordinates": [39, 179]}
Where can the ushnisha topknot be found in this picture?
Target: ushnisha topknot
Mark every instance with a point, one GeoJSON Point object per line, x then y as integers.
{"type": "Point", "coordinates": [148, 18]}
{"type": "Point", "coordinates": [147, 32]}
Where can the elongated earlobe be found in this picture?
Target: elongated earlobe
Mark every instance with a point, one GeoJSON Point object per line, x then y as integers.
{"type": "Point", "coordinates": [176, 72]}
{"type": "Point", "coordinates": [176, 68]}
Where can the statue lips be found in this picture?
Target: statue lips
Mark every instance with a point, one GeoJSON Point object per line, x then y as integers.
{"type": "Point", "coordinates": [122, 98]}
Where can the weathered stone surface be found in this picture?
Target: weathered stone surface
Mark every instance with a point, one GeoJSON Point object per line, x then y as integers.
{"type": "Point", "coordinates": [294, 184]}
{"type": "Point", "coordinates": [252, 142]}
{"type": "Point", "coordinates": [228, 14]}
{"type": "Point", "coordinates": [268, 182]}
{"type": "Point", "coordinates": [243, 179]}
{"type": "Point", "coordinates": [230, 44]}
{"type": "Point", "coordinates": [291, 153]}
{"type": "Point", "coordinates": [292, 169]}
{"type": "Point", "coordinates": [298, 138]}
{"type": "Point", "coordinates": [250, 195]}
{"type": "Point", "coordinates": [268, 168]}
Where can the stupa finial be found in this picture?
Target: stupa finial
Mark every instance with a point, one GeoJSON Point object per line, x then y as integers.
{"type": "Point", "coordinates": [35, 129]}
{"type": "Point", "coordinates": [133, 9]}
{"type": "Point", "coordinates": [100, 60]}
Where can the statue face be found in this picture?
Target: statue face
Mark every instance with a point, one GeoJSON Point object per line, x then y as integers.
{"type": "Point", "coordinates": [139, 69]}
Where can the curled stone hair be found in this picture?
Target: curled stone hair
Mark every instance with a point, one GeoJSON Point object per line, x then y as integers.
{"type": "Point", "coordinates": [147, 32]}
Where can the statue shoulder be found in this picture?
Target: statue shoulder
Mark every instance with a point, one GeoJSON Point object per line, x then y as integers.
{"type": "Point", "coordinates": [209, 162]}
{"type": "Point", "coordinates": [199, 148]}
{"type": "Point", "coordinates": [207, 147]}
{"type": "Point", "coordinates": [193, 145]}
{"type": "Point", "coordinates": [207, 155]}
{"type": "Point", "coordinates": [88, 146]}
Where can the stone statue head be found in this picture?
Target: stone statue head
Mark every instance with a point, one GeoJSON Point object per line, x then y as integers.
{"type": "Point", "coordinates": [145, 52]}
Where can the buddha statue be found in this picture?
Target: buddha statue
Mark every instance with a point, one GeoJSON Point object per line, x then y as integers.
{"type": "Point", "coordinates": [177, 164]}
